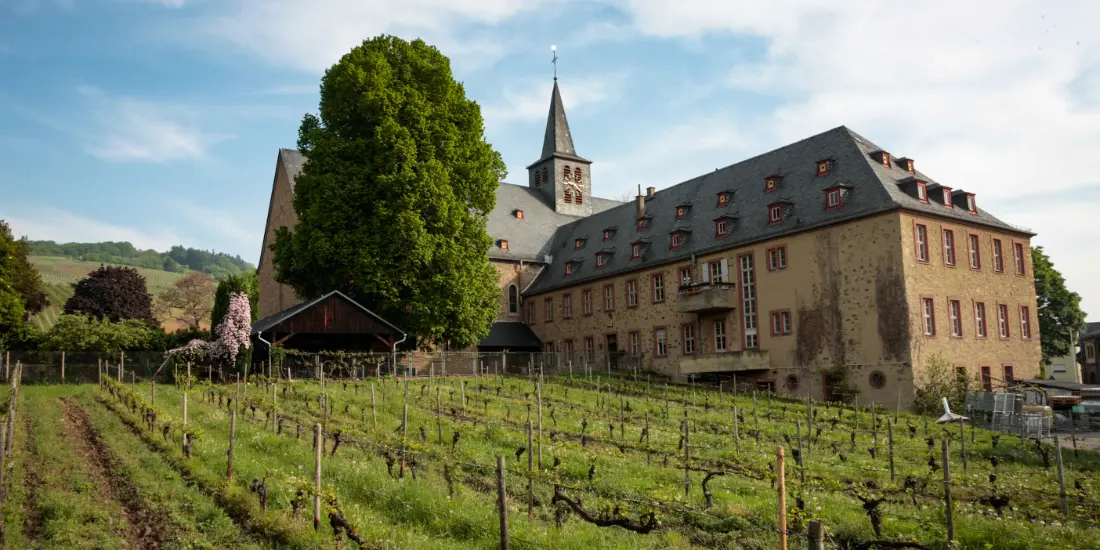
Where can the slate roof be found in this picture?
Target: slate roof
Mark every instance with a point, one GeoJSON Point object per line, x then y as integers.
{"type": "Point", "coordinates": [274, 319]}
{"type": "Point", "coordinates": [529, 238]}
{"type": "Point", "coordinates": [558, 140]}
{"type": "Point", "coordinates": [1092, 330]}
{"type": "Point", "coordinates": [872, 188]}
{"type": "Point", "coordinates": [511, 335]}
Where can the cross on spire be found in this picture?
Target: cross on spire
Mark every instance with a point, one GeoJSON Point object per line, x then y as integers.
{"type": "Point", "coordinates": [554, 50]}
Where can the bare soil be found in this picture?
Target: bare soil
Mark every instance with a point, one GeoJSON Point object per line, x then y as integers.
{"type": "Point", "coordinates": [32, 519]}
{"type": "Point", "coordinates": [142, 527]}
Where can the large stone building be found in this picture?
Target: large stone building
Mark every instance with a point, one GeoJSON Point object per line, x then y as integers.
{"type": "Point", "coordinates": [829, 251]}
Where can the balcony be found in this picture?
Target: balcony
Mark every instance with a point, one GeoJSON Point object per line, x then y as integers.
{"type": "Point", "coordinates": [730, 361]}
{"type": "Point", "coordinates": [706, 297]}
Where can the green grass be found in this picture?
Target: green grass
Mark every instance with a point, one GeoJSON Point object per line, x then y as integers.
{"type": "Point", "coordinates": [407, 513]}
{"type": "Point", "coordinates": [58, 274]}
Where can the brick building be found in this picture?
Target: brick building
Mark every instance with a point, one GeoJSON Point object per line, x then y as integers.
{"type": "Point", "coordinates": [829, 251]}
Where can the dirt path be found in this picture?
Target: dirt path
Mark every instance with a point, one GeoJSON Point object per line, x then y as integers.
{"type": "Point", "coordinates": [142, 529]}
{"type": "Point", "coordinates": [32, 519]}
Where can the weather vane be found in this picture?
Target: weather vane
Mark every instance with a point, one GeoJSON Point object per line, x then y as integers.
{"type": "Point", "coordinates": [554, 49]}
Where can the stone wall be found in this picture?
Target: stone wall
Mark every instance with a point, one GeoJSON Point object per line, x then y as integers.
{"type": "Point", "coordinates": [274, 296]}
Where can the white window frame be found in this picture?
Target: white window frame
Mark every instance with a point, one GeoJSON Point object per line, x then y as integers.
{"type": "Point", "coordinates": [722, 227]}
{"type": "Point", "coordinates": [979, 320]}
{"type": "Point", "coordinates": [567, 306]}
{"type": "Point", "coordinates": [1002, 320]}
{"type": "Point", "coordinates": [998, 256]}
{"type": "Point", "coordinates": [590, 348]}
{"type": "Point", "coordinates": [928, 313]}
{"type": "Point", "coordinates": [974, 244]}
{"type": "Point", "coordinates": [548, 315]}
{"type": "Point", "coordinates": [675, 240]}
{"type": "Point", "coordinates": [922, 242]}
{"type": "Point", "coordinates": [947, 200]}
{"type": "Point", "coordinates": [775, 214]}
{"type": "Point", "coordinates": [601, 260]}
{"type": "Point", "coordinates": [632, 292]}
{"type": "Point", "coordinates": [1025, 322]}
{"type": "Point", "coordinates": [954, 308]}
{"type": "Point", "coordinates": [1018, 254]}
{"type": "Point", "coordinates": [971, 204]}
{"type": "Point", "coordinates": [721, 342]}
{"type": "Point", "coordinates": [609, 298]}
{"type": "Point", "coordinates": [635, 343]}
{"type": "Point", "coordinates": [833, 198]}
{"type": "Point", "coordinates": [660, 337]}
{"type": "Point", "coordinates": [688, 332]}
{"type": "Point", "coordinates": [658, 287]}
{"type": "Point", "coordinates": [586, 301]}
{"type": "Point", "coordinates": [949, 247]}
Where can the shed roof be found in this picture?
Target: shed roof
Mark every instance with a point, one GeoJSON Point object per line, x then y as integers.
{"type": "Point", "coordinates": [278, 320]}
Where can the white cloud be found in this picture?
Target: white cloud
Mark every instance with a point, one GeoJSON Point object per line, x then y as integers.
{"type": "Point", "coordinates": [311, 35]}
{"type": "Point", "coordinates": [39, 222]}
{"type": "Point", "coordinates": [225, 224]}
{"type": "Point", "coordinates": [997, 99]}
{"type": "Point", "coordinates": [531, 99]}
{"type": "Point", "coordinates": [126, 129]}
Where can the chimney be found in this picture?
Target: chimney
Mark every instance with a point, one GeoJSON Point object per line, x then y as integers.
{"type": "Point", "coordinates": [650, 191]}
{"type": "Point", "coordinates": [639, 203]}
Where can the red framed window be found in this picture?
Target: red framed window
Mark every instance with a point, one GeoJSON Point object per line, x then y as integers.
{"type": "Point", "coordinates": [601, 259]}
{"type": "Point", "coordinates": [922, 242]}
{"type": "Point", "coordinates": [548, 313]}
{"type": "Point", "coordinates": [503, 244]}
{"type": "Point", "coordinates": [928, 313]}
{"type": "Point", "coordinates": [885, 159]}
{"type": "Point", "coordinates": [1018, 256]}
{"type": "Point", "coordinates": [954, 309]}
{"type": "Point", "coordinates": [949, 247]}
{"type": "Point", "coordinates": [771, 184]}
{"type": "Point", "coordinates": [569, 350]}
{"type": "Point", "coordinates": [636, 250]}
{"type": "Point", "coordinates": [998, 257]}
{"type": "Point", "coordinates": [568, 268]}
{"type": "Point", "coordinates": [687, 335]}
{"type": "Point", "coordinates": [531, 314]}
{"type": "Point", "coordinates": [635, 342]}
{"type": "Point", "coordinates": [947, 198]}
{"type": "Point", "coordinates": [1002, 320]}
{"type": "Point", "coordinates": [777, 258]}
{"type": "Point", "coordinates": [971, 204]}
{"type": "Point", "coordinates": [781, 323]}
{"type": "Point", "coordinates": [975, 251]}
{"type": "Point", "coordinates": [685, 276]}
{"type": "Point", "coordinates": [632, 293]}
{"type": "Point", "coordinates": [586, 301]}
{"type": "Point", "coordinates": [722, 227]}
{"type": "Point", "coordinates": [987, 379]}
{"type": "Point", "coordinates": [979, 320]}
{"type": "Point", "coordinates": [909, 166]}
{"type": "Point", "coordinates": [823, 167]}
{"type": "Point", "coordinates": [680, 211]}
{"type": "Point", "coordinates": [577, 244]}
{"type": "Point", "coordinates": [606, 235]}
{"type": "Point", "coordinates": [832, 198]}
{"type": "Point", "coordinates": [1009, 375]}
{"type": "Point", "coordinates": [589, 348]}
{"type": "Point", "coordinates": [723, 198]}
{"type": "Point", "coordinates": [609, 298]}
{"type": "Point", "coordinates": [1025, 322]}
{"type": "Point", "coordinates": [775, 213]}
{"type": "Point", "coordinates": [567, 306]}
{"type": "Point", "coordinates": [922, 192]}
{"type": "Point", "coordinates": [577, 175]}
{"type": "Point", "coordinates": [550, 347]}
{"type": "Point", "coordinates": [674, 241]}
{"type": "Point", "coordinates": [519, 214]}
{"type": "Point", "coordinates": [660, 342]}
{"type": "Point", "coordinates": [658, 287]}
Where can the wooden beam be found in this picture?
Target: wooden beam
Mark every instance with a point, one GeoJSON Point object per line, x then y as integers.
{"type": "Point", "coordinates": [283, 339]}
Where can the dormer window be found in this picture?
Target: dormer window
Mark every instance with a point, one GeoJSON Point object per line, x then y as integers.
{"type": "Point", "coordinates": [680, 212]}
{"type": "Point", "coordinates": [885, 158]}
{"type": "Point", "coordinates": [518, 214]}
{"type": "Point", "coordinates": [503, 244]}
{"type": "Point", "coordinates": [642, 223]}
{"type": "Point", "coordinates": [723, 198]}
{"type": "Point", "coordinates": [832, 198]}
{"type": "Point", "coordinates": [601, 259]}
{"type": "Point", "coordinates": [947, 197]}
{"type": "Point", "coordinates": [722, 227]}
{"type": "Point", "coordinates": [775, 213]}
{"type": "Point", "coordinates": [674, 241]}
{"type": "Point", "coordinates": [908, 164]}
{"type": "Point", "coordinates": [578, 244]}
{"type": "Point", "coordinates": [824, 167]}
{"type": "Point", "coordinates": [922, 192]}
{"type": "Point", "coordinates": [636, 250]}
{"type": "Point", "coordinates": [607, 234]}
{"type": "Point", "coordinates": [771, 183]}
{"type": "Point", "coordinates": [971, 204]}
{"type": "Point", "coordinates": [569, 268]}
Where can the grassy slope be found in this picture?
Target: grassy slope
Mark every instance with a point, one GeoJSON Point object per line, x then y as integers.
{"type": "Point", "coordinates": [411, 514]}
{"type": "Point", "coordinates": [59, 273]}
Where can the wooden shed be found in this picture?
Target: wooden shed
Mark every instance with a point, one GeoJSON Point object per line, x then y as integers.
{"type": "Point", "coordinates": [330, 322]}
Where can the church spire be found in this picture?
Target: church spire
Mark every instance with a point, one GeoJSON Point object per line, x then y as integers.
{"type": "Point", "coordinates": [557, 140]}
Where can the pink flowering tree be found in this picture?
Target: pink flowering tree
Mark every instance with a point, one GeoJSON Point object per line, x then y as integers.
{"type": "Point", "coordinates": [233, 335]}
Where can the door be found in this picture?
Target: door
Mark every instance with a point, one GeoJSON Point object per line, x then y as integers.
{"type": "Point", "coordinates": [613, 350]}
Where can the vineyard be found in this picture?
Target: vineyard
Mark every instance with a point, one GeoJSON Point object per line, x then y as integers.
{"type": "Point", "coordinates": [588, 462]}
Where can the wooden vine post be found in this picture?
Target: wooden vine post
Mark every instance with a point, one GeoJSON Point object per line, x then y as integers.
{"type": "Point", "coordinates": [816, 535]}
{"type": "Point", "coordinates": [62, 367]}
{"type": "Point", "coordinates": [373, 412]}
{"type": "Point", "coordinates": [502, 503]}
{"type": "Point", "coordinates": [316, 477]}
{"type": "Point", "coordinates": [962, 441]}
{"type": "Point", "coordinates": [890, 442]}
{"type": "Point", "coordinates": [1061, 479]}
{"type": "Point", "coordinates": [781, 482]}
{"type": "Point", "coordinates": [947, 494]}
{"type": "Point", "coordinates": [232, 438]}
{"type": "Point", "coordinates": [186, 391]}
{"type": "Point", "coordinates": [687, 457]}
{"type": "Point", "coordinates": [530, 473]}
{"type": "Point", "coordinates": [539, 393]}
{"type": "Point", "coordinates": [404, 436]}
{"type": "Point", "coordinates": [439, 414]}
{"type": "Point", "coordinates": [736, 432]}
{"type": "Point", "coordinates": [801, 457]}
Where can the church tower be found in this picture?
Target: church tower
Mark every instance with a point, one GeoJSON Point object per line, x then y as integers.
{"type": "Point", "coordinates": [563, 177]}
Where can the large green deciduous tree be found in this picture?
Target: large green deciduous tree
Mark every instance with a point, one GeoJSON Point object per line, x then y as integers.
{"type": "Point", "coordinates": [1060, 315]}
{"type": "Point", "coordinates": [21, 290]}
{"type": "Point", "coordinates": [393, 201]}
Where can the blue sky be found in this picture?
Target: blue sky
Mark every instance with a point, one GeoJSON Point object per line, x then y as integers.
{"type": "Point", "coordinates": [158, 121]}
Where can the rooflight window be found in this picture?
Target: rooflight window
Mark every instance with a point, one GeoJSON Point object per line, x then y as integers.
{"type": "Point", "coordinates": [519, 214]}
{"type": "Point", "coordinates": [823, 167]}
{"type": "Point", "coordinates": [771, 183]}
{"type": "Point", "coordinates": [503, 244]}
{"type": "Point", "coordinates": [680, 211]}
{"type": "Point", "coordinates": [723, 198]}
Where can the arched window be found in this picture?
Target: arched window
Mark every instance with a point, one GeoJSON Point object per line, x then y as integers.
{"type": "Point", "coordinates": [538, 179]}
{"type": "Point", "coordinates": [513, 299]}
{"type": "Point", "coordinates": [577, 175]}
{"type": "Point", "coordinates": [568, 195]}
{"type": "Point", "coordinates": [567, 174]}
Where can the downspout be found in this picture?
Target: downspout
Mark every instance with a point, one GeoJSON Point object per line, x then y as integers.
{"type": "Point", "coordinates": [394, 356]}
{"type": "Point", "coordinates": [260, 337]}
